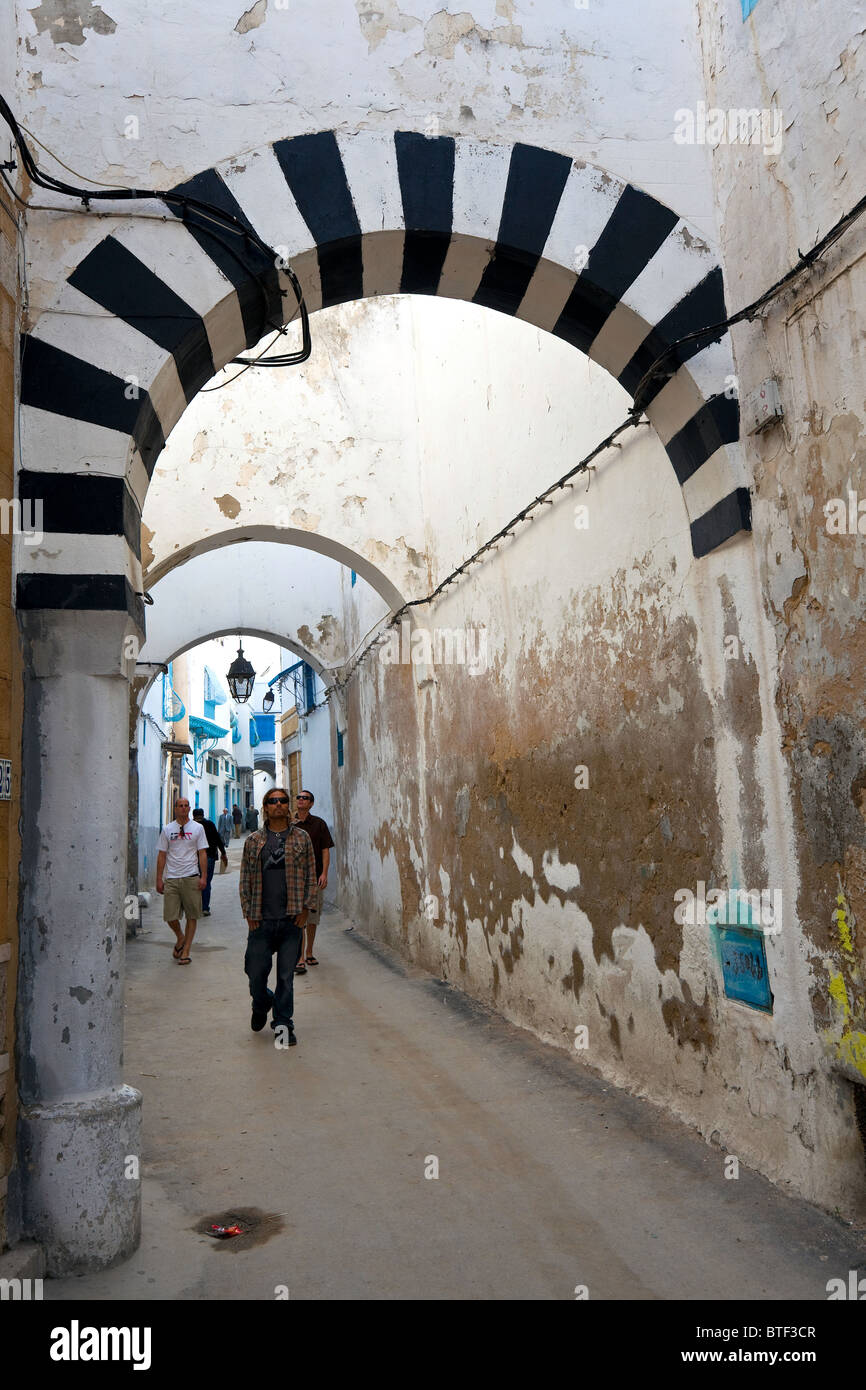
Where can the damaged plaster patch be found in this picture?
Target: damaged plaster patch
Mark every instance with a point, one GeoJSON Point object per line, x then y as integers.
{"type": "Point", "coordinates": [328, 628]}
{"type": "Point", "coordinates": [444, 31]}
{"type": "Point", "coordinates": [228, 505]}
{"type": "Point", "coordinates": [147, 551]}
{"type": "Point", "coordinates": [66, 21]}
{"type": "Point", "coordinates": [377, 17]}
{"type": "Point", "coordinates": [81, 994]}
{"type": "Point", "coordinates": [252, 18]}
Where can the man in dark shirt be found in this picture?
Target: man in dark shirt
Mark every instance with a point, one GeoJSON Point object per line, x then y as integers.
{"type": "Point", "coordinates": [320, 835]}
{"type": "Point", "coordinates": [277, 888]}
{"type": "Point", "coordinates": [215, 846]}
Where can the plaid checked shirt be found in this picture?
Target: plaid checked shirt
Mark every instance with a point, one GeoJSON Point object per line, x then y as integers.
{"type": "Point", "coordinates": [301, 884]}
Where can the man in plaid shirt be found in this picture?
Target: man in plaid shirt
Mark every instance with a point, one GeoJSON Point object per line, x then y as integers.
{"type": "Point", "coordinates": [277, 888]}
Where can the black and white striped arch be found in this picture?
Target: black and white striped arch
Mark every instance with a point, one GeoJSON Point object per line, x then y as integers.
{"type": "Point", "coordinates": [152, 310]}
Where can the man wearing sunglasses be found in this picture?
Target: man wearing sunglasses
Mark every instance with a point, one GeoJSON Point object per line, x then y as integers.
{"type": "Point", "coordinates": [277, 890]}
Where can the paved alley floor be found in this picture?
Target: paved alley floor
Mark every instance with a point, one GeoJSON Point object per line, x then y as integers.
{"type": "Point", "coordinates": [548, 1178]}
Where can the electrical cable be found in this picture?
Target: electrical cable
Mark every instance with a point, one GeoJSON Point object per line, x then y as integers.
{"type": "Point", "coordinates": [56, 157]}
{"type": "Point", "coordinates": [10, 164]}
{"type": "Point", "coordinates": [543, 497]}
{"type": "Point", "coordinates": [207, 211]}
{"type": "Point", "coordinates": [715, 330]}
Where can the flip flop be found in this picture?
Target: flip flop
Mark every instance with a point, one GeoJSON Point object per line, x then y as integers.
{"type": "Point", "coordinates": [184, 960]}
{"type": "Point", "coordinates": [300, 970]}
{"type": "Point", "coordinates": [177, 950]}
{"type": "Point", "coordinates": [311, 960]}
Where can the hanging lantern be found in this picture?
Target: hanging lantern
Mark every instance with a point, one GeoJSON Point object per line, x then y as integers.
{"type": "Point", "coordinates": [240, 677]}
{"type": "Point", "coordinates": [268, 701]}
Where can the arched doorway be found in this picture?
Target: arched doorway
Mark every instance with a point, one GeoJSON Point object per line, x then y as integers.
{"type": "Point", "coordinates": [504, 228]}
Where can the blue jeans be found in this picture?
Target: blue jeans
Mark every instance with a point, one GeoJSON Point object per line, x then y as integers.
{"type": "Point", "coordinates": [205, 897]}
{"type": "Point", "coordinates": [283, 936]}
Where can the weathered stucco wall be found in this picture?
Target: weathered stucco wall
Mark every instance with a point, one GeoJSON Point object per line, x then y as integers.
{"type": "Point", "coordinates": [491, 867]}
{"type": "Point", "coordinates": [809, 62]}
{"type": "Point", "coordinates": [595, 82]}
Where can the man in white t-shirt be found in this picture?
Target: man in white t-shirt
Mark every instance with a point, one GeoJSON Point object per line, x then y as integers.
{"type": "Point", "coordinates": [181, 875]}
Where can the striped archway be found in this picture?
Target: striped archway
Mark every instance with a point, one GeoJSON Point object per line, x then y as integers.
{"type": "Point", "coordinates": [155, 307]}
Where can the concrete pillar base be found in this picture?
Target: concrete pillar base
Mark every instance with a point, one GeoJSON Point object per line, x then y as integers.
{"type": "Point", "coordinates": [79, 1203]}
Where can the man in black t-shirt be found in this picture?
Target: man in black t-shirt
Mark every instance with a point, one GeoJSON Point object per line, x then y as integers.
{"type": "Point", "coordinates": [320, 835]}
{"type": "Point", "coordinates": [215, 846]}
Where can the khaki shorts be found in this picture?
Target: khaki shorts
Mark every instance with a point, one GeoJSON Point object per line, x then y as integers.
{"type": "Point", "coordinates": [316, 910]}
{"type": "Point", "coordinates": [182, 896]}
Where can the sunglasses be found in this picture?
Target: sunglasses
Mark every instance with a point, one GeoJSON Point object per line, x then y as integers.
{"type": "Point", "coordinates": [278, 801]}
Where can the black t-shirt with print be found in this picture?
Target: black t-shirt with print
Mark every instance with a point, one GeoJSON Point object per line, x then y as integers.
{"type": "Point", "coordinates": [274, 875]}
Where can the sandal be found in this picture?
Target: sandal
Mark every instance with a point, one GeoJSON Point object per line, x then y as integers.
{"type": "Point", "coordinates": [177, 950]}
{"type": "Point", "coordinates": [311, 960]}
{"type": "Point", "coordinates": [300, 970]}
{"type": "Point", "coordinates": [184, 960]}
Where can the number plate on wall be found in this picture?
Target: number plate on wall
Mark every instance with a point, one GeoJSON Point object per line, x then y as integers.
{"type": "Point", "coordinates": [5, 779]}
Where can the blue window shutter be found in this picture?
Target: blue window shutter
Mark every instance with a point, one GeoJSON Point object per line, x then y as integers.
{"type": "Point", "coordinates": [265, 727]}
{"type": "Point", "coordinates": [339, 748]}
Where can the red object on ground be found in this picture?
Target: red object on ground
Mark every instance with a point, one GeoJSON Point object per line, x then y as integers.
{"type": "Point", "coordinates": [225, 1231]}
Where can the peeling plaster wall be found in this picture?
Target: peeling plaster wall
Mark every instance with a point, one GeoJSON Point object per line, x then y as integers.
{"type": "Point", "coordinates": [486, 864]}
{"type": "Point", "coordinates": [178, 92]}
{"type": "Point", "coordinates": [810, 63]}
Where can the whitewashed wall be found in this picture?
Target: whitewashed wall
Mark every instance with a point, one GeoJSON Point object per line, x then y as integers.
{"type": "Point", "coordinates": [808, 64]}
{"type": "Point", "coordinates": [600, 83]}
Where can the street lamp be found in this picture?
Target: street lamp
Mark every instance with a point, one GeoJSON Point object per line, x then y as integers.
{"type": "Point", "coordinates": [268, 701]}
{"type": "Point", "coordinates": [241, 676]}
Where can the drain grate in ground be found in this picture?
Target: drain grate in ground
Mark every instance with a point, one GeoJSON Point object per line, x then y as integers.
{"type": "Point", "coordinates": [257, 1227]}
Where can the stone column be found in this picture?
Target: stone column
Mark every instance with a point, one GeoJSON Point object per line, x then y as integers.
{"type": "Point", "coordinates": [79, 1124]}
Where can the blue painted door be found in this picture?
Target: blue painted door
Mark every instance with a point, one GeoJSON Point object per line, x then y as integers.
{"type": "Point", "coordinates": [211, 803]}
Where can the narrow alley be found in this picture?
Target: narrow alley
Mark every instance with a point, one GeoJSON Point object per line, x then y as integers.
{"type": "Point", "coordinates": [548, 1179]}
{"type": "Point", "coordinates": [430, 456]}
